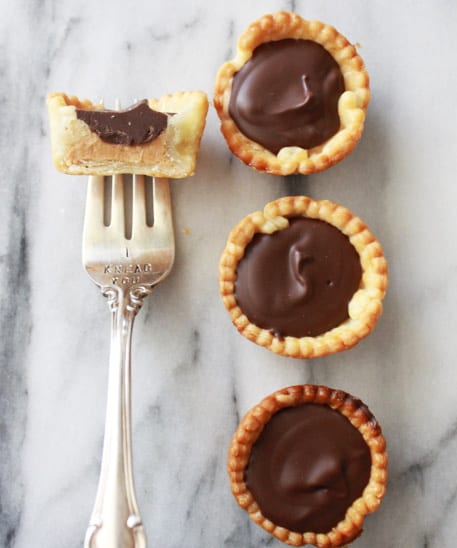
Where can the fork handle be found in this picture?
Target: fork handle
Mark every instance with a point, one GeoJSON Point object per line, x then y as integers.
{"type": "Point", "coordinates": [115, 521]}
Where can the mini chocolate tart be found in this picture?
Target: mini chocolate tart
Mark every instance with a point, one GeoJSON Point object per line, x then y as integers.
{"type": "Point", "coordinates": [303, 278]}
{"type": "Point", "coordinates": [294, 98]}
{"type": "Point", "coordinates": [308, 463]}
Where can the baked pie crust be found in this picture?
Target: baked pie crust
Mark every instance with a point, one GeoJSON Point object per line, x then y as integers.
{"type": "Point", "coordinates": [359, 416]}
{"type": "Point", "coordinates": [364, 308]}
{"type": "Point", "coordinates": [77, 150]}
{"type": "Point", "coordinates": [352, 104]}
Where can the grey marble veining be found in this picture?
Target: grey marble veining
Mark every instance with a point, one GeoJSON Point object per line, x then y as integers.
{"type": "Point", "coordinates": [193, 375]}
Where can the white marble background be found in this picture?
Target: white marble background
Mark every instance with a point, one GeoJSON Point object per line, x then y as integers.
{"type": "Point", "coordinates": [194, 376]}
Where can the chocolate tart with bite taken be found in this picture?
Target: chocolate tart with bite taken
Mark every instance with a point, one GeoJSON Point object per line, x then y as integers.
{"type": "Point", "coordinates": [303, 278]}
{"type": "Point", "coordinates": [308, 463]}
{"type": "Point", "coordinates": [294, 98]}
{"type": "Point", "coordinates": [155, 137]}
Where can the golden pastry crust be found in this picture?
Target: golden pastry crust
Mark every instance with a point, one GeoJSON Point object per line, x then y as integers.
{"type": "Point", "coordinates": [365, 306]}
{"type": "Point", "coordinates": [352, 104]}
{"type": "Point", "coordinates": [79, 151]}
{"type": "Point", "coordinates": [360, 417]}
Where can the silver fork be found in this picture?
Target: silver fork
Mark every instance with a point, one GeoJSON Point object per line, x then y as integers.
{"type": "Point", "coordinates": [126, 267]}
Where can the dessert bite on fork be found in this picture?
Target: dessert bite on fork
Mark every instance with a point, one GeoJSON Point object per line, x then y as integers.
{"type": "Point", "coordinates": [156, 137]}
{"type": "Point", "coordinates": [128, 248]}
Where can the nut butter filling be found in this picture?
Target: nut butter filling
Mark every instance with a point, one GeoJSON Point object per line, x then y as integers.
{"type": "Point", "coordinates": [307, 467]}
{"type": "Point", "coordinates": [287, 95]}
{"type": "Point", "coordinates": [135, 125]}
{"type": "Point", "coordinates": [298, 281]}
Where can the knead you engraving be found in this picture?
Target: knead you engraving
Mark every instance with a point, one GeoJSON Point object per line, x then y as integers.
{"type": "Point", "coordinates": [129, 274]}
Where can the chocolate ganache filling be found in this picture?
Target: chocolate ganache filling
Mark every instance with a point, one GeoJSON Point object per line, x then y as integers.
{"type": "Point", "coordinates": [298, 281]}
{"type": "Point", "coordinates": [307, 467]}
{"type": "Point", "coordinates": [135, 125]}
{"type": "Point", "coordinates": [287, 95]}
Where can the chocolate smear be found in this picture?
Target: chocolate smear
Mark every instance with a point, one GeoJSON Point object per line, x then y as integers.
{"type": "Point", "coordinates": [287, 95]}
{"type": "Point", "coordinates": [307, 467]}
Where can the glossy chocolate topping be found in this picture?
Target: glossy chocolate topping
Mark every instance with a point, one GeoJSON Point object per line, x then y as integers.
{"type": "Point", "coordinates": [287, 95]}
{"type": "Point", "coordinates": [298, 281]}
{"type": "Point", "coordinates": [135, 125]}
{"type": "Point", "coordinates": [307, 467]}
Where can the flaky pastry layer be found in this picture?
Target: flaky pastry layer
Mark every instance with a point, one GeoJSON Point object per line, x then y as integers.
{"type": "Point", "coordinates": [77, 150]}
{"type": "Point", "coordinates": [352, 104]}
{"type": "Point", "coordinates": [365, 306]}
{"type": "Point", "coordinates": [359, 416]}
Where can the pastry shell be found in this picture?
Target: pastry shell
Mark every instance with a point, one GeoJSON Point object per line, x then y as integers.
{"type": "Point", "coordinates": [352, 104]}
{"type": "Point", "coordinates": [365, 306]}
{"type": "Point", "coordinates": [77, 150]}
{"type": "Point", "coordinates": [360, 417]}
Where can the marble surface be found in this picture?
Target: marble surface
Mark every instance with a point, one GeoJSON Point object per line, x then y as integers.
{"type": "Point", "coordinates": [193, 375]}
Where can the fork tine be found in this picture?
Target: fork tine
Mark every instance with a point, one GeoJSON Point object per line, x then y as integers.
{"type": "Point", "coordinates": [93, 219]}
{"type": "Point", "coordinates": [117, 204]}
{"type": "Point", "coordinates": [162, 206]}
{"type": "Point", "coordinates": [139, 226]}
